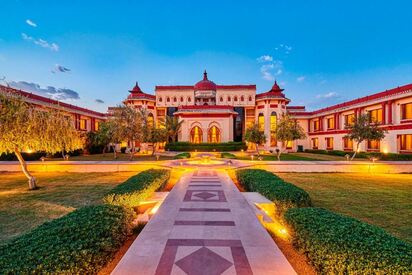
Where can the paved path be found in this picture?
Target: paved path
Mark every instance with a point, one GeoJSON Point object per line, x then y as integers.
{"type": "Point", "coordinates": [205, 226]}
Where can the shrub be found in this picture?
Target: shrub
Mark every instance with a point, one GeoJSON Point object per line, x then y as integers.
{"type": "Point", "coordinates": [81, 242]}
{"type": "Point", "coordinates": [137, 188]}
{"type": "Point", "coordinates": [364, 155]}
{"type": "Point", "coordinates": [284, 195]}
{"type": "Point", "coordinates": [206, 147]}
{"type": "Point", "coordinates": [337, 244]}
{"type": "Point", "coordinates": [227, 155]}
{"type": "Point", "coordinates": [185, 155]}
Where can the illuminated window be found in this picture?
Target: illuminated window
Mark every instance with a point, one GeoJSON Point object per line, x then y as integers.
{"type": "Point", "coordinates": [349, 119]}
{"type": "Point", "coordinates": [196, 135]}
{"type": "Point", "coordinates": [406, 142]}
{"type": "Point", "coordinates": [83, 124]}
{"type": "Point", "coordinates": [96, 125]}
{"type": "Point", "coordinates": [213, 135]}
{"type": "Point", "coordinates": [347, 144]}
{"type": "Point", "coordinates": [250, 112]}
{"type": "Point", "coordinates": [273, 125]}
{"type": "Point", "coordinates": [373, 144]}
{"type": "Point", "coordinates": [316, 125]}
{"type": "Point", "coordinates": [315, 143]}
{"type": "Point", "coordinates": [261, 122]}
{"type": "Point", "coordinates": [329, 143]}
{"type": "Point", "coordinates": [330, 122]}
{"type": "Point", "coordinates": [375, 116]}
{"type": "Point", "coordinates": [406, 111]}
{"type": "Point", "coordinates": [150, 120]}
{"type": "Point", "coordinates": [289, 144]}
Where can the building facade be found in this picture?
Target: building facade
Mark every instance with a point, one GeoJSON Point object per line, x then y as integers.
{"type": "Point", "coordinates": [222, 113]}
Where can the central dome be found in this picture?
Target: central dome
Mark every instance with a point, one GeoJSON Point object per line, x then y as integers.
{"type": "Point", "coordinates": [205, 84]}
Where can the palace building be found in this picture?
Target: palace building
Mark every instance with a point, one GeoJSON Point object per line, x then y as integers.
{"type": "Point", "coordinates": [222, 113]}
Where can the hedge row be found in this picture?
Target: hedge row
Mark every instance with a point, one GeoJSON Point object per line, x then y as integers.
{"type": "Point", "coordinates": [206, 147]}
{"type": "Point", "coordinates": [227, 155]}
{"type": "Point", "coordinates": [182, 156]}
{"type": "Point", "coordinates": [365, 155]}
{"type": "Point", "coordinates": [337, 244]}
{"type": "Point", "coordinates": [137, 188]}
{"type": "Point", "coordinates": [81, 242]}
{"type": "Point", "coordinates": [284, 195]}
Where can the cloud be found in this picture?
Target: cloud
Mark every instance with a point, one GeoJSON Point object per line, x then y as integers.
{"type": "Point", "coordinates": [41, 42]}
{"type": "Point", "coordinates": [271, 69]}
{"type": "Point", "coordinates": [99, 101]}
{"type": "Point", "coordinates": [264, 58]}
{"type": "Point", "coordinates": [300, 78]}
{"type": "Point", "coordinates": [328, 95]}
{"type": "Point", "coordinates": [50, 91]}
{"type": "Point", "coordinates": [60, 69]}
{"type": "Point", "coordinates": [31, 23]}
{"type": "Point", "coordinates": [286, 49]}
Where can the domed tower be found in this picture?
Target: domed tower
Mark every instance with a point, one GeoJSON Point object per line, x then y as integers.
{"type": "Point", "coordinates": [270, 106]}
{"type": "Point", "coordinates": [205, 91]}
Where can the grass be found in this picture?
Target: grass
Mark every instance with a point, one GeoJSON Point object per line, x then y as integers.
{"type": "Point", "coordinates": [60, 193]}
{"type": "Point", "coordinates": [273, 157]}
{"type": "Point", "coordinates": [109, 157]}
{"type": "Point", "coordinates": [381, 199]}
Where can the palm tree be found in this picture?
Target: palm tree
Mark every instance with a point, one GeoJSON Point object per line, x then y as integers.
{"type": "Point", "coordinates": [173, 125]}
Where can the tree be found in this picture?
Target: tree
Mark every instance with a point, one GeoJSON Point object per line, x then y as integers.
{"type": "Point", "coordinates": [156, 136]}
{"type": "Point", "coordinates": [255, 136]}
{"type": "Point", "coordinates": [107, 135]}
{"type": "Point", "coordinates": [364, 129]}
{"type": "Point", "coordinates": [173, 125]}
{"type": "Point", "coordinates": [288, 129]}
{"type": "Point", "coordinates": [23, 127]}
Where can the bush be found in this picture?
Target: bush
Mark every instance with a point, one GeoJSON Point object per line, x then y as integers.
{"type": "Point", "coordinates": [206, 147]}
{"type": "Point", "coordinates": [81, 242]}
{"type": "Point", "coordinates": [364, 155]}
{"type": "Point", "coordinates": [284, 195]}
{"type": "Point", "coordinates": [337, 244]}
{"type": "Point", "coordinates": [137, 188]}
{"type": "Point", "coordinates": [185, 155]}
{"type": "Point", "coordinates": [227, 155]}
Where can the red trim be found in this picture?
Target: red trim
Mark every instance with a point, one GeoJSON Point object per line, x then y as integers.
{"type": "Point", "coordinates": [295, 107]}
{"type": "Point", "coordinates": [406, 121]}
{"type": "Point", "coordinates": [202, 107]}
{"type": "Point", "coordinates": [150, 107]}
{"type": "Point", "coordinates": [260, 106]}
{"type": "Point", "coordinates": [204, 115]}
{"type": "Point", "coordinates": [399, 127]}
{"type": "Point", "coordinates": [333, 132]}
{"type": "Point", "coordinates": [219, 87]}
{"type": "Point", "coordinates": [273, 105]}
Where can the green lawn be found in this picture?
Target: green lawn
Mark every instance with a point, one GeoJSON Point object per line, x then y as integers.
{"type": "Point", "coordinates": [109, 157]}
{"type": "Point", "coordinates": [266, 157]}
{"type": "Point", "coordinates": [60, 193]}
{"type": "Point", "coordinates": [382, 199]}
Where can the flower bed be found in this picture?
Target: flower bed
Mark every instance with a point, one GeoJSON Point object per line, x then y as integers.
{"type": "Point", "coordinates": [205, 147]}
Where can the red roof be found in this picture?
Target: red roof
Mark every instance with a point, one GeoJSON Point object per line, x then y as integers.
{"type": "Point", "coordinates": [276, 92]}
{"type": "Point", "coordinates": [50, 101]}
{"type": "Point", "coordinates": [205, 84]}
{"type": "Point", "coordinates": [137, 93]}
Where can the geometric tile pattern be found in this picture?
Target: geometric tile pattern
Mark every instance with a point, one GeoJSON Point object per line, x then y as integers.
{"type": "Point", "coordinates": [205, 196]}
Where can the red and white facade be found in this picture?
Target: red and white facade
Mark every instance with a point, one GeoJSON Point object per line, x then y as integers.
{"type": "Point", "coordinates": [222, 113]}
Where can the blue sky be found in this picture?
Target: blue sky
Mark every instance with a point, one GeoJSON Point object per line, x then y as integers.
{"type": "Point", "coordinates": [322, 52]}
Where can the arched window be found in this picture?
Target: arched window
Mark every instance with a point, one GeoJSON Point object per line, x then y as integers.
{"type": "Point", "coordinates": [261, 122]}
{"type": "Point", "coordinates": [221, 99]}
{"type": "Point", "coordinates": [196, 135]}
{"type": "Point", "coordinates": [174, 99]}
{"type": "Point", "coordinates": [189, 99]}
{"type": "Point", "coordinates": [160, 99]}
{"type": "Point", "coordinates": [228, 99]}
{"type": "Point", "coordinates": [181, 99]}
{"type": "Point", "coordinates": [242, 98]}
{"type": "Point", "coordinates": [168, 99]}
{"type": "Point", "coordinates": [273, 125]}
{"type": "Point", "coordinates": [150, 120]}
{"type": "Point", "coordinates": [213, 135]}
{"type": "Point", "coordinates": [235, 99]}
{"type": "Point", "coordinates": [250, 98]}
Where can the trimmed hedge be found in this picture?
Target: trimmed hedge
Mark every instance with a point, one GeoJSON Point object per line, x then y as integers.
{"type": "Point", "coordinates": [227, 155]}
{"type": "Point", "coordinates": [364, 155]}
{"type": "Point", "coordinates": [337, 244]}
{"type": "Point", "coordinates": [283, 194]}
{"type": "Point", "coordinates": [206, 147]}
{"type": "Point", "coordinates": [137, 188]}
{"type": "Point", "coordinates": [81, 242]}
{"type": "Point", "coordinates": [182, 156]}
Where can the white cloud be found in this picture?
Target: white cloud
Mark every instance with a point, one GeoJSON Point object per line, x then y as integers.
{"type": "Point", "coordinates": [301, 78]}
{"type": "Point", "coordinates": [41, 42]}
{"type": "Point", "coordinates": [53, 92]}
{"type": "Point", "coordinates": [60, 69]}
{"type": "Point", "coordinates": [271, 69]}
{"type": "Point", "coordinates": [328, 95]}
{"type": "Point", "coordinates": [265, 58]}
{"type": "Point", "coordinates": [31, 23]}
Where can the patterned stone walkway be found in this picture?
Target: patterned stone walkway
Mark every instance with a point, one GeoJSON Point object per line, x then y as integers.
{"type": "Point", "coordinates": [205, 226]}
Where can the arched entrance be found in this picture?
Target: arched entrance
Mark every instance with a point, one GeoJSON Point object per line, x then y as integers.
{"type": "Point", "coordinates": [213, 135]}
{"type": "Point", "coordinates": [273, 126]}
{"type": "Point", "coordinates": [196, 135]}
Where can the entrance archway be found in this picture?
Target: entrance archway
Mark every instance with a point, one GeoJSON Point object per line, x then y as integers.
{"type": "Point", "coordinates": [213, 135]}
{"type": "Point", "coordinates": [196, 135]}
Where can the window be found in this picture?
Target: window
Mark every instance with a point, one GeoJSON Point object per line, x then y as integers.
{"type": "Point", "coordinates": [406, 111]}
{"type": "Point", "coordinates": [349, 119]}
{"type": "Point", "coordinates": [330, 122]}
{"type": "Point", "coordinates": [235, 99]}
{"type": "Point", "coordinates": [96, 125]}
{"type": "Point", "coordinates": [242, 98]}
{"type": "Point", "coordinates": [174, 99]}
{"type": "Point", "coordinates": [160, 99]}
{"type": "Point", "coordinates": [213, 135]}
{"type": "Point", "coordinates": [316, 125]}
{"type": "Point", "coordinates": [261, 122]}
{"type": "Point", "coordinates": [250, 98]}
{"type": "Point", "coordinates": [189, 99]}
{"type": "Point", "coordinates": [83, 124]}
{"type": "Point", "coordinates": [329, 143]}
{"type": "Point", "coordinates": [289, 144]}
{"type": "Point", "coordinates": [347, 144]}
{"type": "Point", "coordinates": [196, 135]}
{"type": "Point", "coordinates": [168, 99]}
{"type": "Point", "coordinates": [228, 98]}
{"type": "Point", "coordinates": [250, 112]}
{"type": "Point", "coordinates": [150, 120]}
{"type": "Point", "coordinates": [375, 116]}
{"type": "Point", "coordinates": [221, 99]}
{"type": "Point", "coordinates": [315, 143]}
{"type": "Point", "coordinates": [273, 125]}
{"type": "Point", "coordinates": [161, 112]}
{"type": "Point", "coordinates": [406, 142]}
{"type": "Point", "coordinates": [181, 99]}
{"type": "Point", "coordinates": [373, 144]}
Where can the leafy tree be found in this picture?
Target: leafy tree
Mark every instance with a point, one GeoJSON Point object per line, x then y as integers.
{"type": "Point", "coordinates": [106, 136]}
{"type": "Point", "coordinates": [173, 126]}
{"type": "Point", "coordinates": [156, 136]}
{"type": "Point", "coordinates": [288, 129]}
{"type": "Point", "coordinates": [24, 127]}
{"type": "Point", "coordinates": [364, 129]}
{"type": "Point", "coordinates": [255, 136]}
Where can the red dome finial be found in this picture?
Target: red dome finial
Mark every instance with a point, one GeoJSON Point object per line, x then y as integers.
{"type": "Point", "coordinates": [276, 88]}
{"type": "Point", "coordinates": [205, 84]}
{"type": "Point", "coordinates": [205, 75]}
